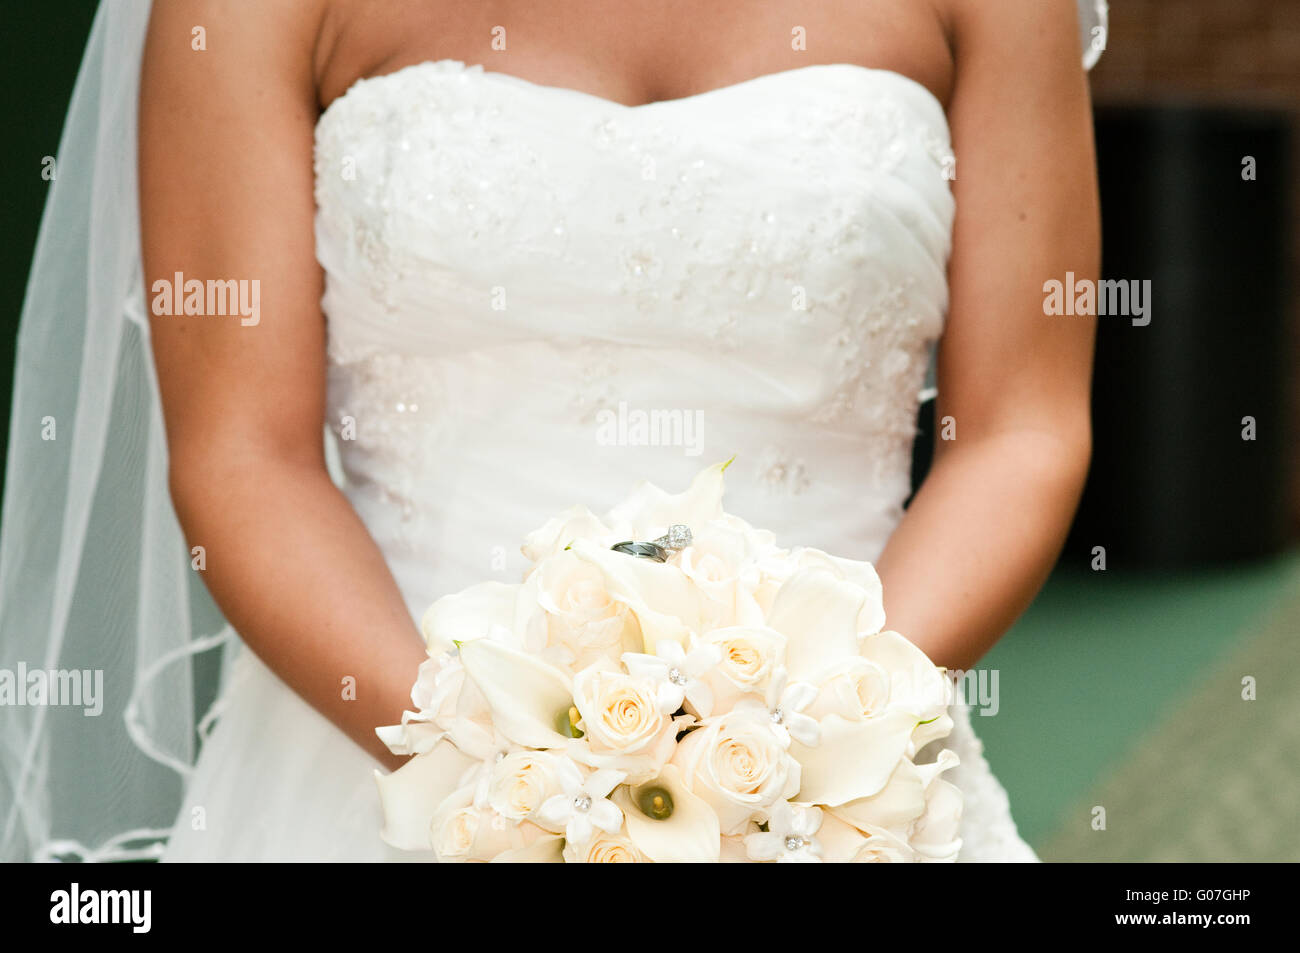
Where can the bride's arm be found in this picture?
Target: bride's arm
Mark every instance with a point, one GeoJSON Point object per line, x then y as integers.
{"type": "Point", "coordinates": [986, 526]}
{"type": "Point", "coordinates": [227, 193]}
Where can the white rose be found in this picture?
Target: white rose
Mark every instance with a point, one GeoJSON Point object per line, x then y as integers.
{"type": "Point", "coordinates": [713, 562]}
{"type": "Point", "coordinates": [520, 782]}
{"type": "Point", "coordinates": [883, 848]}
{"type": "Point", "coordinates": [460, 831]}
{"type": "Point", "coordinates": [621, 716]}
{"type": "Point", "coordinates": [843, 843]}
{"type": "Point", "coordinates": [457, 706]}
{"type": "Point", "coordinates": [737, 765]}
{"type": "Point", "coordinates": [749, 656]}
{"type": "Point", "coordinates": [855, 689]}
{"type": "Point", "coordinates": [581, 619]}
{"type": "Point", "coordinates": [605, 848]}
{"type": "Point", "coordinates": [453, 831]}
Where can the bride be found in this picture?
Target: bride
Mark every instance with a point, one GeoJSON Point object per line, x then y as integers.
{"type": "Point", "coordinates": [460, 235]}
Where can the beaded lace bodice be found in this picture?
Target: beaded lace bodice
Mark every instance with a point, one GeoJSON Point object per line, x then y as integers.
{"type": "Point", "coordinates": [517, 274]}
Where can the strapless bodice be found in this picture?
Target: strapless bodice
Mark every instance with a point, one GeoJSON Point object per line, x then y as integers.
{"type": "Point", "coordinates": [536, 297]}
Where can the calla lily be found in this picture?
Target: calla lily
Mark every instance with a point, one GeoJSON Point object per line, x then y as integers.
{"type": "Point", "coordinates": [818, 615]}
{"type": "Point", "coordinates": [915, 684]}
{"type": "Point", "coordinates": [642, 583]}
{"type": "Point", "coordinates": [854, 759]}
{"type": "Point", "coordinates": [526, 696]}
{"type": "Point", "coordinates": [468, 615]}
{"type": "Point", "coordinates": [894, 807]}
{"type": "Point", "coordinates": [415, 735]}
{"type": "Point", "coordinates": [871, 618]}
{"type": "Point", "coordinates": [688, 834]}
{"type": "Point", "coordinates": [556, 533]}
{"type": "Point", "coordinates": [649, 511]}
{"type": "Point", "coordinates": [897, 805]}
{"type": "Point", "coordinates": [409, 795]}
{"type": "Point", "coordinates": [935, 837]}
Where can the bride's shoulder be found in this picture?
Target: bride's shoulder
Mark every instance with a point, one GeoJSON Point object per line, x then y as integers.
{"type": "Point", "coordinates": [1027, 22]}
{"type": "Point", "coordinates": [1022, 37]}
{"type": "Point", "coordinates": [237, 54]}
{"type": "Point", "coordinates": [215, 35]}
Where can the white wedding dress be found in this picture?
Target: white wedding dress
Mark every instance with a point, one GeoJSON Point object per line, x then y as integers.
{"type": "Point", "coordinates": [505, 261]}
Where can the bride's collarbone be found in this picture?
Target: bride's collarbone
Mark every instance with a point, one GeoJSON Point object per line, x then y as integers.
{"type": "Point", "coordinates": [642, 56]}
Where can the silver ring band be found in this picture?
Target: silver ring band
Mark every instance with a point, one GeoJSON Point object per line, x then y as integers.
{"type": "Point", "coordinates": [642, 550]}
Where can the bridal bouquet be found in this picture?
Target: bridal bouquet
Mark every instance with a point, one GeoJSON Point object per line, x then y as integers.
{"type": "Point", "coordinates": [706, 696]}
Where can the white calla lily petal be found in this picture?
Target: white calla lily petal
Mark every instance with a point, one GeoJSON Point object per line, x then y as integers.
{"type": "Point", "coordinates": [914, 682]}
{"type": "Point", "coordinates": [893, 808]}
{"type": "Point", "coordinates": [468, 615]}
{"type": "Point", "coordinates": [409, 795]}
{"type": "Point", "coordinates": [559, 531]}
{"type": "Point", "coordinates": [817, 614]}
{"type": "Point", "coordinates": [526, 696]}
{"type": "Point", "coordinates": [871, 618]}
{"type": "Point", "coordinates": [689, 835]}
{"type": "Point", "coordinates": [650, 510]}
{"type": "Point", "coordinates": [854, 759]}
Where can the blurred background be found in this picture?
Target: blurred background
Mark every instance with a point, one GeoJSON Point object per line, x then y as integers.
{"type": "Point", "coordinates": [1122, 687]}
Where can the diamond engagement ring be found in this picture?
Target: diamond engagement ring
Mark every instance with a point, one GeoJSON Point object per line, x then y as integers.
{"type": "Point", "coordinates": [676, 539]}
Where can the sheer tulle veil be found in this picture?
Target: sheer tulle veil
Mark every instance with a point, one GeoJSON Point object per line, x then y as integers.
{"type": "Point", "coordinates": [94, 573]}
{"type": "Point", "coordinates": [103, 619]}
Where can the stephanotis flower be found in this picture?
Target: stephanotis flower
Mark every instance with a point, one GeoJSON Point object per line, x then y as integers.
{"type": "Point", "coordinates": [583, 803]}
{"type": "Point", "coordinates": [785, 704]}
{"type": "Point", "coordinates": [789, 836]}
{"type": "Point", "coordinates": [678, 674]}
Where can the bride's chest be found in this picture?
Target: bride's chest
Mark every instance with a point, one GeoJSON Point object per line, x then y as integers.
{"type": "Point", "coordinates": [485, 206]}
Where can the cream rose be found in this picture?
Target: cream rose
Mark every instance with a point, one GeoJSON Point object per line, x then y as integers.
{"type": "Point", "coordinates": [455, 704]}
{"type": "Point", "coordinates": [883, 848]}
{"type": "Point", "coordinates": [605, 848]}
{"type": "Point", "coordinates": [581, 618]}
{"type": "Point", "coordinates": [453, 832]}
{"type": "Point", "coordinates": [855, 689]}
{"type": "Point", "coordinates": [749, 655]}
{"type": "Point", "coordinates": [620, 714]}
{"type": "Point", "coordinates": [460, 832]}
{"type": "Point", "coordinates": [713, 562]}
{"type": "Point", "coordinates": [843, 843]}
{"type": "Point", "coordinates": [738, 766]}
{"type": "Point", "coordinates": [520, 782]}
